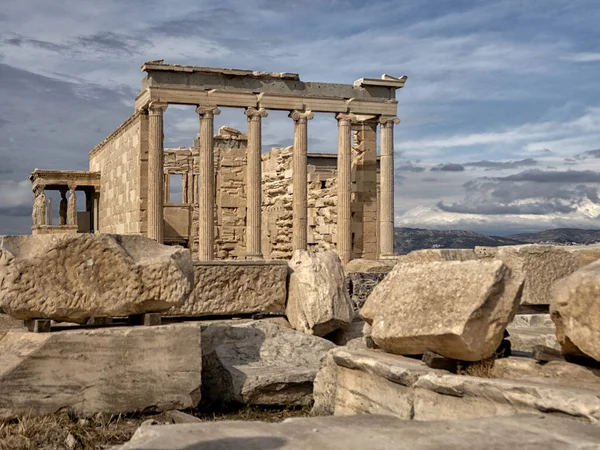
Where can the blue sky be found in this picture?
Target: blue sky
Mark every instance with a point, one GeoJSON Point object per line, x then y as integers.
{"type": "Point", "coordinates": [500, 127]}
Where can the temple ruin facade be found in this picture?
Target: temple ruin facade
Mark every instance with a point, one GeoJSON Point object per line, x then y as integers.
{"type": "Point", "coordinates": [236, 201]}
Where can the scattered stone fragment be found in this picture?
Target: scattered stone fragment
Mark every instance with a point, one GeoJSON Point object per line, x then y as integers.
{"type": "Point", "coordinates": [73, 277]}
{"type": "Point", "coordinates": [318, 302]}
{"type": "Point", "coordinates": [541, 265]}
{"type": "Point", "coordinates": [181, 417]}
{"type": "Point", "coordinates": [458, 309]}
{"type": "Point", "coordinates": [436, 361]}
{"type": "Point", "coordinates": [372, 432]}
{"type": "Point", "coordinates": [575, 310]}
{"type": "Point", "coordinates": [103, 370]}
{"type": "Point", "coordinates": [260, 363]}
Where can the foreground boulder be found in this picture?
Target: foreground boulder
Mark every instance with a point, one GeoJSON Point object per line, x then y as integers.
{"type": "Point", "coordinates": [373, 433]}
{"type": "Point", "coordinates": [575, 310]}
{"type": "Point", "coordinates": [456, 309]}
{"type": "Point", "coordinates": [72, 277]}
{"type": "Point", "coordinates": [109, 370]}
{"type": "Point", "coordinates": [541, 265]}
{"type": "Point", "coordinates": [318, 301]}
{"type": "Point", "coordinates": [260, 363]}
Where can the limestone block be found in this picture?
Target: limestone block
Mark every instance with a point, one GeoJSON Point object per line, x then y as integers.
{"type": "Point", "coordinates": [105, 370]}
{"type": "Point", "coordinates": [364, 381]}
{"type": "Point", "coordinates": [525, 339]}
{"type": "Point", "coordinates": [446, 396]}
{"type": "Point", "coordinates": [541, 265]}
{"type": "Point", "coordinates": [369, 265]}
{"type": "Point", "coordinates": [318, 301]}
{"type": "Point", "coordinates": [73, 277]}
{"type": "Point", "coordinates": [236, 287]}
{"type": "Point", "coordinates": [260, 363]}
{"type": "Point", "coordinates": [575, 310]}
{"type": "Point", "coordinates": [441, 254]}
{"type": "Point", "coordinates": [458, 309]}
{"type": "Point", "coordinates": [373, 433]}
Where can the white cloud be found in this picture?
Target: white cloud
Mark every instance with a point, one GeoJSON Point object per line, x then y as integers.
{"type": "Point", "coordinates": [583, 57]}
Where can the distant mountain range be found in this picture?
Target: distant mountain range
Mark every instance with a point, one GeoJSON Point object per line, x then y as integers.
{"type": "Point", "coordinates": [408, 239]}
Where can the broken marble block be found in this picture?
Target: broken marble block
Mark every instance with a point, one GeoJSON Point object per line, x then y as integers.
{"type": "Point", "coordinates": [72, 277]}
{"type": "Point", "coordinates": [318, 301]}
{"type": "Point", "coordinates": [458, 309]}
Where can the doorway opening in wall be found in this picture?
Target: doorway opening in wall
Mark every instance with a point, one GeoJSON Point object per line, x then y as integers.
{"type": "Point", "coordinates": [175, 194]}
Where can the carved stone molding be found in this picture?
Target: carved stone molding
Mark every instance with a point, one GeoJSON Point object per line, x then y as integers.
{"type": "Point", "coordinates": [301, 116]}
{"type": "Point", "coordinates": [207, 111]}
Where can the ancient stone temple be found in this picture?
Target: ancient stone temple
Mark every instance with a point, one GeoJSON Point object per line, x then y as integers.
{"type": "Point", "coordinates": [237, 202]}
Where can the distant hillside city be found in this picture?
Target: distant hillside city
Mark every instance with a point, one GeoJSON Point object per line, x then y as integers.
{"type": "Point", "coordinates": [408, 239]}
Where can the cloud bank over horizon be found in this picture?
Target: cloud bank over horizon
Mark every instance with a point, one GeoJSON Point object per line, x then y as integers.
{"type": "Point", "coordinates": [500, 115]}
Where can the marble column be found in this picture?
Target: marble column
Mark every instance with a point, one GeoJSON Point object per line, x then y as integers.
{"type": "Point", "coordinates": [155, 171]}
{"type": "Point", "coordinates": [299, 174]}
{"type": "Point", "coordinates": [344, 188]}
{"type": "Point", "coordinates": [386, 231]}
{"type": "Point", "coordinates": [254, 183]}
{"type": "Point", "coordinates": [72, 207]}
{"type": "Point", "coordinates": [206, 183]}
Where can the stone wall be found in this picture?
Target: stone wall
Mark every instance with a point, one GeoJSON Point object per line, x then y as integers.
{"type": "Point", "coordinates": [230, 192]}
{"type": "Point", "coordinates": [230, 197]}
{"type": "Point", "coordinates": [122, 159]}
{"type": "Point", "coordinates": [322, 203]}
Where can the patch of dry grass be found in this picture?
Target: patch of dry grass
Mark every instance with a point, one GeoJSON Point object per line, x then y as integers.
{"type": "Point", "coordinates": [482, 369]}
{"type": "Point", "coordinates": [65, 431]}
{"type": "Point", "coordinates": [62, 431]}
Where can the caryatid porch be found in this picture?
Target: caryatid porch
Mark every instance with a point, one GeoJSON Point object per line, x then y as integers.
{"type": "Point", "coordinates": [366, 103]}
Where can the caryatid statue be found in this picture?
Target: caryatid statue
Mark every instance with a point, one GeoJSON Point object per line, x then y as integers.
{"type": "Point", "coordinates": [72, 207]}
{"type": "Point", "coordinates": [62, 209]}
{"type": "Point", "coordinates": [39, 206]}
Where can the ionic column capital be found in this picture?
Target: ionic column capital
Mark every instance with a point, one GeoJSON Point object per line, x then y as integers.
{"type": "Point", "coordinates": [346, 117]}
{"type": "Point", "coordinates": [207, 111]}
{"type": "Point", "coordinates": [389, 120]}
{"type": "Point", "coordinates": [301, 116]}
{"type": "Point", "coordinates": [255, 114]}
{"type": "Point", "coordinates": [157, 108]}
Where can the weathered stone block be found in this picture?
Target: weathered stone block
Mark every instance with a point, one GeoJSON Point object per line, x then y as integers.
{"type": "Point", "coordinates": [109, 370]}
{"type": "Point", "coordinates": [575, 310]}
{"type": "Point", "coordinates": [260, 363]}
{"type": "Point", "coordinates": [318, 301]}
{"type": "Point", "coordinates": [73, 277]}
{"type": "Point", "coordinates": [541, 265]}
{"type": "Point", "coordinates": [236, 287]}
{"type": "Point", "coordinates": [458, 309]}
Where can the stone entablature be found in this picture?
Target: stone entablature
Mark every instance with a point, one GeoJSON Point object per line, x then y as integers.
{"type": "Point", "coordinates": [284, 91]}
